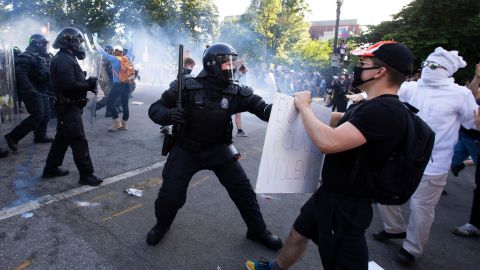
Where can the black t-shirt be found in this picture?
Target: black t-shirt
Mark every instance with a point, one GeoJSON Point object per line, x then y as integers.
{"type": "Point", "coordinates": [383, 123]}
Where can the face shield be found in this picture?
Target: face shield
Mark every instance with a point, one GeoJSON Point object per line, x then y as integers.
{"type": "Point", "coordinates": [80, 52]}
{"type": "Point", "coordinates": [229, 66]}
{"type": "Point", "coordinates": [41, 46]}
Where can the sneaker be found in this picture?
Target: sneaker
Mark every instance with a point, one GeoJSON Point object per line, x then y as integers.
{"type": "Point", "coordinates": [466, 230]}
{"type": "Point", "coordinates": [241, 133]}
{"type": "Point", "coordinates": [258, 265]}
{"type": "Point", "coordinates": [405, 257]}
{"type": "Point", "coordinates": [384, 236]}
{"type": "Point", "coordinates": [457, 168]}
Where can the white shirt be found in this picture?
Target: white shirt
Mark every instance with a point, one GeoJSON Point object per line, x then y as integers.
{"type": "Point", "coordinates": [444, 107]}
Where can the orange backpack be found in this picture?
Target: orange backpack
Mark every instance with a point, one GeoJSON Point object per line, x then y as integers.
{"type": "Point", "coordinates": [127, 72]}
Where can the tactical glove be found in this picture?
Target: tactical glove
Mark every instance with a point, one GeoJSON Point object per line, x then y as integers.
{"type": "Point", "coordinates": [92, 83]}
{"type": "Point", "coordinates": [176, 115]}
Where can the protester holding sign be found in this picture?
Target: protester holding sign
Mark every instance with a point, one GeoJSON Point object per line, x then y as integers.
{"type": "Point", "coordinates": [337, 215]}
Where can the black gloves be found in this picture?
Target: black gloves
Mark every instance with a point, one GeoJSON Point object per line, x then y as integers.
{"type": "Point", "coordinates": [92, 84]}
{"type": "Point", "coordinates": [176, 115]}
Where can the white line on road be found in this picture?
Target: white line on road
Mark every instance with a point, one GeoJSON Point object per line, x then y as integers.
{"type": "Point", "coordinates": [48, 199]}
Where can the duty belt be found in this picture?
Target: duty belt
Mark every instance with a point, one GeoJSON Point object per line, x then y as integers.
{"type": "Point", "coordinates": [194, 146]}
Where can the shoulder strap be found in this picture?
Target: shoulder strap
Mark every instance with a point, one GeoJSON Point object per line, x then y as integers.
{"type": "Point", "coordinates": [406, 104]}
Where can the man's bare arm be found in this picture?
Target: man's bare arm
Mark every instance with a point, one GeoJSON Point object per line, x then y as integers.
{"type": "Point", "coordinates": [336, 116]}
{"type": "Point", "coordinates": [330, 140]}
{"type": "Point", "coordinates": [475, 83]}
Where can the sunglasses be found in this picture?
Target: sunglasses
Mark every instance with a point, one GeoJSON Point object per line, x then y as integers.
{"type": "Point", "coordinates": [432, 65]}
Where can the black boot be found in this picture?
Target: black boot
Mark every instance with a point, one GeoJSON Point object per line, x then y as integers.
{"type": "Point", "coordinates": [405, 257]}
{"type": "Point", "coordinates": [266, 238]}
{"type": "Point", "coordinates": [3, 152]}
{"type": "Point", "coordinates": [54, 172]}
{"type": "Point", "coordinates": [90, 180]}
{"type": "Point", "coordinates": [156, 234]}
{"type": "Point", "coordinates": [43, 139]}
{"type": "Point", "coordinates": [12, 143]}
{"type": "Point", "coordinates": [384, 236]}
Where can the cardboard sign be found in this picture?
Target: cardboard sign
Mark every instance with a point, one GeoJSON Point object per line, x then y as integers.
{"type": "Point", "coordinates": [290, 162]}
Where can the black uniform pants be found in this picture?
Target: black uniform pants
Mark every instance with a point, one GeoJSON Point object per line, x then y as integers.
{"type": "Point", "coordinates": [70, 132]}
{"type": "Point", "coordinates": [39, 109]}
{"type": "Point", "coordinates": [340, 104]}
{"type": "Point", "coordinates": [181, 165]}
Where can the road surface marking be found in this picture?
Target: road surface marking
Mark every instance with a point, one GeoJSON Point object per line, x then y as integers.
{"type": "Point", "coordinates": [48, 199]}
{"type": "Point", "coordinates": [101, 197]}
{"type": "Point", "coordinates": [122, 212]}
{"type": "Point", "coordinates": [200, 181]}
{"type": "Point", "coordinates": [24, 265]}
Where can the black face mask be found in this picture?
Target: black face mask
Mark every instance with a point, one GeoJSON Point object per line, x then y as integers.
{"type": "Point", "coordinates": [357, 76]}
{"type": "Point", "coordinates": [186, 71]}
{"type": "Point", "coordinates": [79, 54]}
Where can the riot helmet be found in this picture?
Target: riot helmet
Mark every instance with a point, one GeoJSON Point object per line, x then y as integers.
{"type": "Point", "coordinates": [38, 43]}
{"type": "Point", "coordinates": [220, 61]}
{"type": "Point", "coordinates": [71, 38]}
{"type": "Point", "coordinates": [109, 49]}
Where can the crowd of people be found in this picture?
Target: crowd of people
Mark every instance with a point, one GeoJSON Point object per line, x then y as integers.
{"type": "Point", "coordinates": [360, 144]}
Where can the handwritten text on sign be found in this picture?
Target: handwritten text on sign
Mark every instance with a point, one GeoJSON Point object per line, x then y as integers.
{"type": "Point", "coordinates": [290, 162]}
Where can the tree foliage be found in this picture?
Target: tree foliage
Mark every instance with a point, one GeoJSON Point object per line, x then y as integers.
{"type": "Point", "coordinates": [312, 54]}
{"type": "Point", "coordinates": [269, 30]}
{"type": "Point", "coordinates": [424, 25]}
{"type": "Point", "coordinates": [199, 18]}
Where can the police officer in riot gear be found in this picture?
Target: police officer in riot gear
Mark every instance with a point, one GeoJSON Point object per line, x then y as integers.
{"type": "Point", "coordinates": [203, 131]}
{"type": "Point", "coordinates": [33, 86]}
{"type": "Point", "coordinates": [70, 87]}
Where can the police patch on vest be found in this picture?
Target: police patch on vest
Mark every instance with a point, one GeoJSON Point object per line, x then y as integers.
{"type": "Point", "coordinates": [245, 91]}
{"type": "Point", "coordinates": [224, 103]}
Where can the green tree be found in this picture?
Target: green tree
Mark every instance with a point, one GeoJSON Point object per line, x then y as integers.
{"type": "Point", "coordinates": [291, 28]}
{"type": "Point", "coordinates": [196, 19]}
{"type": "Point", "coordinates": [280, 24]}
{"type": "Point", "coordinates": [237, 31]}
{"type": "Point", "coordinates": [200, 18]}
{"type": "Point", "coordinates": [424, 25]}
{"type": "Point", "coordinates": [311, 55]}
{"type": "Point", "coordinates": [94, 16]}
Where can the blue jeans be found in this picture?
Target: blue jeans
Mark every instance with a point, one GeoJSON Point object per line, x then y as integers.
{"type": "Point", "coordinates": [465, 147]}
{"type": "Point", "coordinates": [122, 90]}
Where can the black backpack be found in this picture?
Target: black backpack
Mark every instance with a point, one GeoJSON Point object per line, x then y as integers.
{"type": "Point", "coordinates": [398, 179]}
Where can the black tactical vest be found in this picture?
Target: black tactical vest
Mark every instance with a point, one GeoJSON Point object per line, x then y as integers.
{"type": "Point", "coordinates": [209, 120]}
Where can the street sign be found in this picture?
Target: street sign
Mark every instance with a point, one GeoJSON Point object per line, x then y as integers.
{"type": "Point", "coordinates": [335, 60]}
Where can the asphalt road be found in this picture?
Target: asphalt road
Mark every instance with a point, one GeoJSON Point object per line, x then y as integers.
{"type": "Point", "coordinates": [55, 224]}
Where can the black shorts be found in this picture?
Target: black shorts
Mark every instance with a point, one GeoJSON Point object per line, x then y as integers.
{"type": "Point", "coordinates": [337, 225]}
